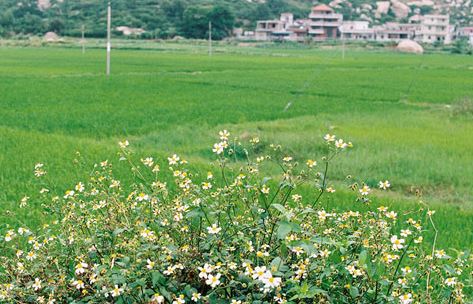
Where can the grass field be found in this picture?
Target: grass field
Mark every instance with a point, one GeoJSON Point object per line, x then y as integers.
{"type": "Point", "coordinates": [410, 117]}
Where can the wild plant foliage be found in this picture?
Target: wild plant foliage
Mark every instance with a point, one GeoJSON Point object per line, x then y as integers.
{"type": "Point", "coordinates": [234, 235]}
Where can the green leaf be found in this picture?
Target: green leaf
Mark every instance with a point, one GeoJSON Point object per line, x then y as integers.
{"type": "Point", "coordinates": [276, 264]}
{"type": "Point", "coordinates": [354, 292]}
{"type": "Point", "coordinates": [196, 213]}
{"type": "Point", "coordinates": [119, 300]}
{"type": "Point", "coordinates": [284, 229]}
{"type": "Point", "coordinates": [215, 299]}
{"type": "Point", "coordinates": [305, 291]}
{"type": "Point", "coordinates": [284, 250]}
{"type": "Point", "coordinates": [449, 269]}
{"type": "Point", "coordinates": [362, 258]}
{"type": "Point", "coordinates": [384, 282]}
{"type": "Point", "coordinates": [138, 283]}
{"type": "Point", "coordinates": [316, 291]}
{"type": "Point", "coordinates": [118, 231]}
{"type": "Point", "coordinates": [157, 277]}
{"type": "Point", "coordinates": [165, 294]}
{"type": "Point", "coordinates": [279, 208]}
{"type": "Point", "coordinates": [266, 180]}
{"type": "Point", "coordinates": [295, 227]}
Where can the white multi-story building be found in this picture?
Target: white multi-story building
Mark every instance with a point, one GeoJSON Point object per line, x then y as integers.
{"type": "Point", "coordinates": [435, 28]}
{"type": "Point", "coordinates": [266, 29]}
{"type": "Point", "coordinates": [356, 30]}
{"type": "Point", "coordinates": [324, 23]}
{"type": "Point", "coordinates": [286, 28]}
{"type": "Point", "coordinates": [393, 31]}
{"type": "Point", "coordinates": [299, 30]}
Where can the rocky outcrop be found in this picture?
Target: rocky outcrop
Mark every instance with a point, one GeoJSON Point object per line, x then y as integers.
{"type": "Point", "coordinates": [382, 8]}
{"type": "Point", "coordinates": [400, 9]}
{"type": "Point", "coordinates": [420, 3]}
{"type": "Point", "coordinates": [336, 3]}
{"type": "Point", "coordinates": [44, 4]}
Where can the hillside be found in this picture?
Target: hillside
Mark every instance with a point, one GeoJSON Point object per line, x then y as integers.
{"type": "Point", "coordinates": [168, 18]}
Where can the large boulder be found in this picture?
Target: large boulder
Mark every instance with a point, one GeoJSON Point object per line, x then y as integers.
{"type": "Point", "coordinates": [44, 4]}
{"type": "Point", "coordinates": [400, 9]}
{"type": "Point", "coordinates": [410, 46]}
{"type": "Point", "coordinates": [336, 3]}
{"type": "Point", "coordinates": [382, 8]}
{"type": "Point", "coordinates": [51, 37]}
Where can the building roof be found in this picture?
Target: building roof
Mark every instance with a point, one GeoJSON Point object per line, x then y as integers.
{"type": "Point", "coordinates": [436, 16]}
{"type": "Point", "coordinates": [322, 8]}
{"type": "Point", "coordinates": [270, 21]}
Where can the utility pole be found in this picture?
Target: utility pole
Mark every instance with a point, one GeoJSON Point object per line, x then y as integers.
{"type": "Point", "coordinates": [109, 44]}
{"type": "Point", "coordinates": [83, 39]}
{"type": "Point", "coordinates": [210, 38]}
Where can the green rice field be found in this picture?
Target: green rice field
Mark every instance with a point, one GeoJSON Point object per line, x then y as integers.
{"type": "Point", "coordinates": [409, 117]}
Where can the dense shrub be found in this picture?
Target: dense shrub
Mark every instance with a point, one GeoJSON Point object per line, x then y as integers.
{"type": "Point", "coordinates": [232, 236]}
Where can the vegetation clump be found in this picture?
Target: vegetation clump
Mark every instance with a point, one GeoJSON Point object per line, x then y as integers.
{"type": "Point", "coordinates": [229, 236]}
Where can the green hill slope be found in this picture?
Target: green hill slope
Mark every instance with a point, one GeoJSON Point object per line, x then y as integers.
{"type": "Point", "coordinates": [160, 18]}
{"type": "Point", "coordinates": [168, 18]}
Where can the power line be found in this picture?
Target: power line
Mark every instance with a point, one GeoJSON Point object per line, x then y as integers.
{"type": "Point", "coordinates": [309, 81]}
{"type": "Point", "coordinates": [405, 97]}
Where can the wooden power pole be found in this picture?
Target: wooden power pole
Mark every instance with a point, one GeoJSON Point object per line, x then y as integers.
{"type": "Point", "coordinates": [83, 39]}
{"type": "Point", "coordinates": [109, 44]}
{"type": "Point", "coordinates": [210, 38]}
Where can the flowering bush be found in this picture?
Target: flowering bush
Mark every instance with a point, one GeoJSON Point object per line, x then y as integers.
{"type": "Point", "coordinates": [230, 236]}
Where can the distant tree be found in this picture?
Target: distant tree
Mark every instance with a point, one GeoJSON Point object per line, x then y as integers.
{"type": "Point", "coordinates": [56, 25]}
{"type": "Point", "coordinates": [425, 10]}
{"type": "Point", "coordinates": [461, 46]}
{"type": "Point", "coordinates": [223, 20]}
{"type": "Point", "coordinates": [195, 22]}
{"type": "Point", "coordinates": [262, 12]}
{"type": "Point", "coordinates": [346, 11]}
{"type": "Point", "coordinates": [32, 24]}
{"type": "Point", "coordinates": [277, 7]}
{"type": "Point", "coordinates": [162, 18]}
{"type": "Point", "coordinates": [388, 18]}
{"type": "Point", "coordinates": [174, 9]}
{"type": "Point", "coordinates": [6, 19]}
